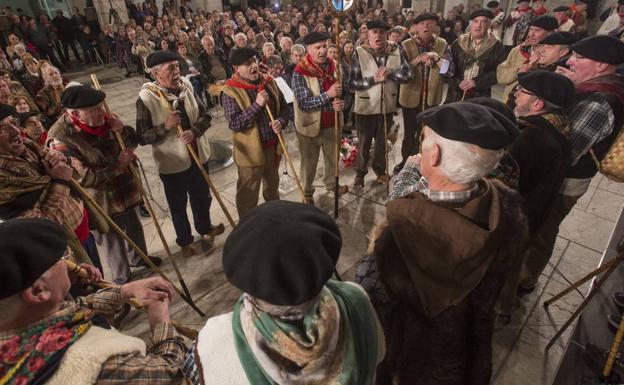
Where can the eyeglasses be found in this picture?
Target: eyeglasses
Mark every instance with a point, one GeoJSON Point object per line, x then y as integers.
{"type": "Point", "coordinates": [523, 91]}
{"type": "Point", "coordinates": [10, 124]}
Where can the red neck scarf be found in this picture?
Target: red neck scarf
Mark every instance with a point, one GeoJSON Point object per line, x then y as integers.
{"type": "Point", "coordinates": [238, 82]}
{"type": "Point", "coordinates": [307, 67]}
{"type": "Point", "coordinates": [100, 131]}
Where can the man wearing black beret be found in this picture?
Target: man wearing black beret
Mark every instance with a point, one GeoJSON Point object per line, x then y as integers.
{"type": "Point", "coordinates": [554, 50]}
{"type": "Point", "coordinates": [440, 294]}
{"type": "Point", "coordinates": [525, 56]}
{"type": "Point", "coordinates": [246, 97]}
{"type": "Point", "coordinates": [579, 16]}
{"type": "Point", "coordinates": [517, 23]}
{"type": "Point", "coordinates": [317, 96]}
{"type": "Point", "coordinates": [496, 27]}
{"type": "Point", "coordinates": [86, 133]}
{"type": "Point", "coordinates": [562, 14]}
{"type": "Point", "coordinates": [375, 63]}
{"type": "Point", "coordinates": [57, 341]}
{"type": "Point", "coordinates": [596, 117]}
{"type": "Point", "coordinates": [35, 183]}
{"type": "Point", "coordinates": [164, 105]}
{"type": "Point", "coordinates": [542, 153]}
{"type": "Point", "coordinates": [431, 62]}
{"type": "Point", "coordinates": [288, 297]}
{"type": "Point", "coordinates": [476, 55]}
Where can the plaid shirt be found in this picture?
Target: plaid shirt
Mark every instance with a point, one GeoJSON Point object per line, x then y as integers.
{"type": "Point", "coordinates": [241, 120]}
{"type": "Point", "coordinates": [410, 181]}
{"type": "Point", "coordinates": [161, 364]}
{"type": "Point", "coordinates": [307, 102]}
{"type": "Point", "coordinates": [401, 75]}
{"type": "Point", "coordinates": [591, 120]}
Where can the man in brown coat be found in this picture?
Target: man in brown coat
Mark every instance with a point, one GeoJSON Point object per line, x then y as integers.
{"type": "Point", "coordinates": [444, 251]}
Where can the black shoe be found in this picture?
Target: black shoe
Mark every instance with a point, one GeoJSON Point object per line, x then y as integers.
{"type": "Point", "coordinates": [143, 211]}
{"type": "Point", "coordinates": [399, 167]}
{"type": "Point", "coordinates": [522, 291]}
{"type": "Point", "coordinates": [155, 260]}
{"type": "Point", "coordinates": [614, 322]}
{"type": "Point", "coordinates": [618, 300]}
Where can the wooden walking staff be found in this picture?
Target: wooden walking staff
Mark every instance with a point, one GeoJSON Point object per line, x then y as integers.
{"type": "Point", "coordinates": [385, 135]}
{"type": "Point", "coordinates": [337, 137]}
{"type": "Point", "coordinates": [615, 347]}
{"type": "Point", "coordinates": [195, 157]}
{"type": "Point", "coordinates": [134, 302]}
{"type": "Point", "coordinates": [86, 197]}
{"type": "Point", "coordinates": [280, 137]}
{"type": "Point", "coordinates": [137, 180]}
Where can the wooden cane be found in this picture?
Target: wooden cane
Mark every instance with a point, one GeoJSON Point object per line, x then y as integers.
{"type": "Point", "coordinates": [85, 196]}
{"type": "Point", "coordinates": [139, 184]}
{"type": "Point", "coordinates": [463, 96]}
{"type": "Point", "coordinates": [195, 157]}
{"type": "Point", "coordinates": [385, 140]}
{"type": "Point", "coordinates": [280, 137]}
{"type": "Point", "coordinates": [615, 347]}
{"type": "Point", "coordinates": [134, 302]}
{"type": "Point", "coordinates": [337, 139]}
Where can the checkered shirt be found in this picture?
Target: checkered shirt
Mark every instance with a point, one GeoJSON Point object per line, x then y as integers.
{"type": "Point", "coordinates": [401, 75]}
{"type": "Point", "coordinates": [591, 120]}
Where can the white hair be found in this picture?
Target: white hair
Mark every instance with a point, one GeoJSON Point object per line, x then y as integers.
{"type": "Point", "coordinates": [463, 162]}
{"type": "Point", "coordinates": [298, 48]}
{"type": "Point", "coordinates": [240, 35]}
{"type": "Point", "coordinates": [268, 44]}
{"type": "Point", "coordinates": [283, 40]}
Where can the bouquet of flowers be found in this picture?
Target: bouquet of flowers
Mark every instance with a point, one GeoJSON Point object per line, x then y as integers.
{"type": "Point", "coordinates": [348, 152]}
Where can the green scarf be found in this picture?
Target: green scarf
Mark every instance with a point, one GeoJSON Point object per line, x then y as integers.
{"type": "Point", "coordinates": [312, 349]}
{"type": "Point", "coordinates": [30, 352]}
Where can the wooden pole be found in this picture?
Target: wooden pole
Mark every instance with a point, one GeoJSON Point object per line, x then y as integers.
{"type": "Point", "coordinates": [137, 180]}
{"type": "Point", "coordinates": [615, 347]}
{"type": "Point", "coordinates": [85, 196]}
{"type": "Point", "coordinates": [203, 171]}
{"type": "Point", "coordinates": [280, 137]}
{"type": "Point", "coordinates": [385, 135]}
{"type": "Point", "coordinates": [337, 137]}
{"type": "Point", "coordinates": [134, 302]}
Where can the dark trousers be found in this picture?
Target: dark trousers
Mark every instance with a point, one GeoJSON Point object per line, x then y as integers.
{"type": "Point", "coordinates": [369, 128]}
{"type": "Point", "coordinates": [411, 134]}
{"type": "Point", "coordinates": [66, 44]}
{"type": "Point", "coordinates": [179, 188]}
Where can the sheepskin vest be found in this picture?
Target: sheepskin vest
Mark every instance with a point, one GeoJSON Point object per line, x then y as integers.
{"type": "Point", "coordinates": [368, 102]}
{"type": "Point", "coordinates": [410, 92]}
{"type": "Point", "coordinates": [308, 123]}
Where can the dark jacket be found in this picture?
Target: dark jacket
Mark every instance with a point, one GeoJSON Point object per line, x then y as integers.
{"type": "Point", "coordinates": [493, 55]}
{"type": "Point", "coordinates": [64, 27]}
{"type": "Point", "coordinates": [206, 68]}
{"type": "Point", "coordinates": [459, 258]}
{"type": "Point", "coordinates": [543, 155]}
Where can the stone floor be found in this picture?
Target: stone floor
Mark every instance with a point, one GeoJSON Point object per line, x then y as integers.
{"type": "Point", "coordinates": [519, 357]}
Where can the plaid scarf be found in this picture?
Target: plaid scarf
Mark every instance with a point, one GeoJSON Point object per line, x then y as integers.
{"type": "Point", "coordinates": [385, 51]}
{"type": "Point", "coordinates": [333, 341]}
{"type": "Point", "coordinates": [22, 175]}
{"type": "Point", "coordinates": [326, 74]}
{"type": "Point", "coordinates": [35, 352]}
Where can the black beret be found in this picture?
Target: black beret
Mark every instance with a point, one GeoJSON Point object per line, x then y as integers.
{"type": "Point", "coordinates": [492, 4]}
{"type": "Point", "coordinates": [426, 16]}
{"type": "Point", "coordinates": [545, 22]}
{"type": "Point", "coordinates": [242, 55]}
{"type": "Point", "coordinates": [6, 111]}
{"type": "Point", "coordinates": [583, 1]}
{"type": "Point", "coordinates": [620, 2]}
{"type": "Point", "coordinates": [25, 115]}
{"type": "Point", "coordinates": [282, 252]}
{"type": "Point", "coordinates": [559, 38]}
{"type": "Point", "coordinates": [314, 37]}
{"type": "Point", "coordinates": [605, 49]}
{"type": "Point", "coordinates": [562, 8]}
{"type": "Point", "coordinates": [499, 107]}
{"type": "Point", "coordinates": [372, 24]}
{"type": "Point", "coordinates": [554, 88]}
{"type": "Point", "coordinates": [81, 97]}
{"type": "Point", "coordinates": [469, 123]}
{"type": "Point", "coordinates": [159, 57]}
{"type": "Point", "coordinates": [482, 12]}
{"type": "Point", "coordinates": [29, 248]}
{"type": "Point", "coordinates": [523, 1]}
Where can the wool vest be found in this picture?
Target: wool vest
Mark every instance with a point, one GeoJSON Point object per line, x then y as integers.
{"type": "Point", "coordinates": [308, 123]}
{"type": "Point", "coordinates": [368, 102]}
{"type": "Point", "coordinates": [82, 362]}
{"type": "Point", "coordinates": [410, 92]}
{"type": "Point", "coordinates": [247, 144]}
{"type": "Point", "coordinates": [170, 154]}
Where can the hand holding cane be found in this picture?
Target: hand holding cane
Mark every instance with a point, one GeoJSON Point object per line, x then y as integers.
{"type": "Point", "coordinates": [337, 139]}
{"type": "Point", "coordinates": [150, 209]}
{"type": "Point", "coordinates": [280, 137]}
{"type": "Point", "coordinates": [134, 302]}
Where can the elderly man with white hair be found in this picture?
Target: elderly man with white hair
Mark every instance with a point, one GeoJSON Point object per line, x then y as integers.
{"type": "Point", "coordinates": [286, 45]}
{"type": "Point", "coordinates": [240, 41]}
{"type": "Point", "coordinates": [162, 106]}
{"type": "Point", "coordinates": [444, 249]}
{"type": "Point", "coordinates": [49, 98]}
{"type": "Point", "coordinates": [214, 67]}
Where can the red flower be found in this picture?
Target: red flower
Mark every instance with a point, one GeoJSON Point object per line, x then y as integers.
{"type": "Point", "coordinates": [35, 363]}
{"type": "Point", "coordinates": [9, 351]}
{"type": "Point", "coordinates": [53, 340]}
{"type": "Point", "coordinates": [21, 380]}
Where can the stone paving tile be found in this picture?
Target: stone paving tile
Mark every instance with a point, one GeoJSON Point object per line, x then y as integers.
{"type": "Point", "coordinates": [518, 356]}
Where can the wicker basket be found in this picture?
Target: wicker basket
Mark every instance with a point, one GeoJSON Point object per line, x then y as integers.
{"type": "Point", "coordinates": [612, 165]}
